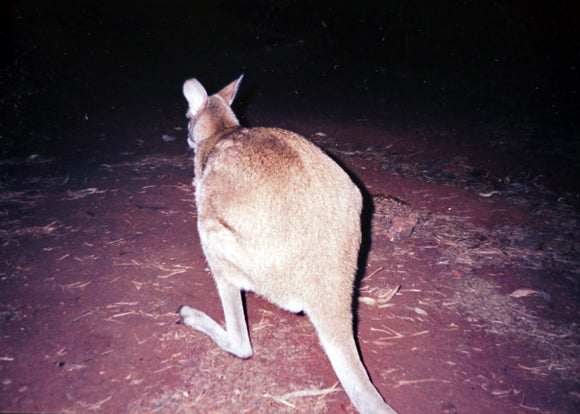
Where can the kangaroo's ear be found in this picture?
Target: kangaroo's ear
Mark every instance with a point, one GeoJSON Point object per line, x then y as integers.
{"type": "Point", "coordinates": [195, 94]}
{"type": "Point", "coordinates": [229, 92]}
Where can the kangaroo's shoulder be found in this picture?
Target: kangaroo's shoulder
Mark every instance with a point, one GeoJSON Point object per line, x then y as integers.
{"type": "Point", "coordinates": [255, 147]}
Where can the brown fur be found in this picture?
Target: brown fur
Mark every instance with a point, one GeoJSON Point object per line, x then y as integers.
{"type": "Point", "coordinates": [278, 217]}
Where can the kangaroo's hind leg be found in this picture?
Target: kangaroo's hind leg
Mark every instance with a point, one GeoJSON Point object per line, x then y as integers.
{"type": "Point", "coordinates": [234, 339]}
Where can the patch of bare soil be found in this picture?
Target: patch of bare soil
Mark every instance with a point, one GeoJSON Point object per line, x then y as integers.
{"type": "Point", "coordinates": [468, 302]}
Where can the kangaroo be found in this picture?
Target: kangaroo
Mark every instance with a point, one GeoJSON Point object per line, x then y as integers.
{"type": "Point", "coordinates": [278, 217]}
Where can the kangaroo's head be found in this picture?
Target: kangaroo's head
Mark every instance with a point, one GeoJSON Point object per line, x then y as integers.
{"type": "Point", "coordinates": [208, 115]}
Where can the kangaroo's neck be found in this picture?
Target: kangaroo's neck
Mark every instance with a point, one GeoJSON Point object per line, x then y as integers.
{"type": "Point", "coordinates": [207, 146]}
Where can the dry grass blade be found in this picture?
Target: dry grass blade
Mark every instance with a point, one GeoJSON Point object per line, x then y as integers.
{"type": "Point", "coordinates": [381, 296]}
{"type": "Point", "coordinates": [24, 198]}
{"type": "Point", "coordinates": [311, 392]}
{"type": "Point", "coordinates": [85, 192]}
{"type": "Point", "coordinates": [35, 231]}
{"type": "Point", "coordinates": [419, 381]}
{"type": "Point", "coordinates": [155, 162]}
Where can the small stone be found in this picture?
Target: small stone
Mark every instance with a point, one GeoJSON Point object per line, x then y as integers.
{"type": "Point", "coordinates": [401, 228]}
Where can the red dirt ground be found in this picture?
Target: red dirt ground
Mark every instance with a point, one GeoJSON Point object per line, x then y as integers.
{"type": "Point", "coordinates": [98, 256]}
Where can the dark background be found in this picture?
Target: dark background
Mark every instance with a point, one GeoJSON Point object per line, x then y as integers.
{"type": "Point", "coordinates": [461, 113]}
{"type": "Point", "coordinates": [86, 74]}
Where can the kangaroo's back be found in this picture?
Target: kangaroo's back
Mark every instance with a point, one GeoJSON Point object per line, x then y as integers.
{"type": "Point", "coordinates": [294, 212]}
